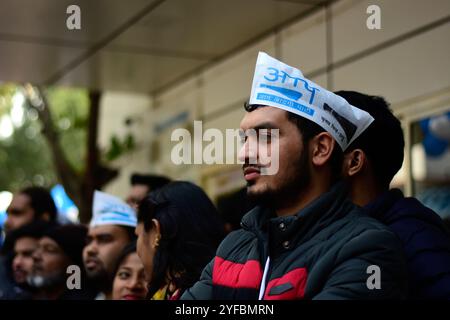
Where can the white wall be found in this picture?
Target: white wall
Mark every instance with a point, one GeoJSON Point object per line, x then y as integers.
{"type": "Point", "coordinates": [115, 108]}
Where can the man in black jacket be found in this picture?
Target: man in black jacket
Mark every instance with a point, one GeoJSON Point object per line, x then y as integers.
{"type": "Point", "coordinates": [371, 162]}
{"type": "Point", "coordinates": [305, 240]}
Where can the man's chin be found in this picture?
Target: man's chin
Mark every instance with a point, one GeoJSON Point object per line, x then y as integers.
{"type": "Point", "coordinates": [20, 277]}
{"type": "Point", "coordinates": [20, 281]}
{"type": "Point", "coordinates": [95, 273]}
{"type": "Point", "coordinates": [100, 279]}
{"type": "Point", "coordinates": [257, 192]}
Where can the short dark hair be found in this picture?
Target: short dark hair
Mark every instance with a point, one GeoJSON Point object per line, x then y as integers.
{"type": "Point", "coordinates": [152, 181]}
{"type": "Point", "coordinates": [191, 230]}
{"type": "Point", "coordinates": [383, 141]}
{"type": "Point", "coordinates": [70, 239]}
{"type": "Point", "coordinates": [34, 229]}
{"type": "Point", "coordinates": [308, 130]}
{"type": "Point", "coordinates": [41, 201]}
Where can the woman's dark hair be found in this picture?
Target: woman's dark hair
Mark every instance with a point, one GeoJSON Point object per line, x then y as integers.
{"type": "Point", "coordinates": [309, 129]}
{"type": "Point", "coordinates": [191, 230]}
{"type": "Point", "coordinates": [152, 181]}
{"type": "Point", "coordinates": [126, 251]}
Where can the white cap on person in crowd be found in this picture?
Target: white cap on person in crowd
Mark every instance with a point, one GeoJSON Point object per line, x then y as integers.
{"type": "Point", "coordinates": [108, 209]}
{"type": "Point", "coordinates": [279, 85]}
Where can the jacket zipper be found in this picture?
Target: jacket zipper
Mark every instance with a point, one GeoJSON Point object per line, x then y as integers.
{"type": "Point", "coordinates": [262, 287]}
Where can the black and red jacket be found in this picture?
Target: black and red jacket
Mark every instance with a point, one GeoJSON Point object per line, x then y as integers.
{"type": "Point", "coordinates": [322, 252]}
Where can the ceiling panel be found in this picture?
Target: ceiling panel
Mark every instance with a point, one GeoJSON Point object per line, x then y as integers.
{"type": "Point", "coordinates": [46, 19]}
{"type": "Point", "coordinates": [128, 72]}
{"type": "Point", "coordinates": [24, 62]}
{"type": "Point", "coordinates": [207, 27]}
{"type": "Point", "coordinates": [138, 45]}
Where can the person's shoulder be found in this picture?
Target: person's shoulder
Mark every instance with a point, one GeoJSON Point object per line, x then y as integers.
{"type": "Point", "coordinates": [359, 221]}
{"type": "Point", "coordinates": [362, 230]}
{"type": "Point", "coordinates": [411, 219]}
{"type": "Point", "coordinates": [237, 236]}
{"type": "Point", "coordinates": [411, 208]}
{"type": "Point", "coordinates": [235, 242]}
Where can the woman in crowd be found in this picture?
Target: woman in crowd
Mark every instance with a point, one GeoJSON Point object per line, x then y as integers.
{"type": "Point", "coordinates": [178, 232]}
{"type": "Point", "coordinates": [129, 278]}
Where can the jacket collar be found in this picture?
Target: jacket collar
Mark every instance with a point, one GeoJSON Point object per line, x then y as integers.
{"type": "Point", "coordinates": [383, 203]}
{"type": "Point", "coordinates": [289, 231]}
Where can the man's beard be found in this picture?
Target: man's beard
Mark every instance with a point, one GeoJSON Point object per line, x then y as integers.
{"type": "Point", "coordinates": [44, 282]}
{"type": "Point", "coordinates": [290, 189]}
{"type": "Point", "coordinates": [100, 279]}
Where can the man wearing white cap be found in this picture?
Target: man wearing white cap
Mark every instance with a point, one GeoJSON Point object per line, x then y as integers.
{"type": "Point", "coordinates": [110, 230]}
{"type": "Point", "coordinates": [305, 239]}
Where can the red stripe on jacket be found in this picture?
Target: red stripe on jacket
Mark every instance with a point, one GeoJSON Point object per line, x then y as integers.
{"type": "Point", "coordinates": [237, 275]}
{"type": "Point", "coordinates": [297, 280]}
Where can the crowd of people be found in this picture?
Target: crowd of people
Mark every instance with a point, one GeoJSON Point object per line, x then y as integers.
{"type": "Point", "coordinates": [314, 231]}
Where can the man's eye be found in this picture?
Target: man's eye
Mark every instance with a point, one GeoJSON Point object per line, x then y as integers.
{"type": "Point", "coordinates": [15, 212]}
{"type": "Point", "coordinates": [104, 239]}
{"type": "Point", "coordinates": [51, 249]}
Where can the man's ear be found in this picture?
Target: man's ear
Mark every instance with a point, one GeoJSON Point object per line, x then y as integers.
{"type": "Point", "coordinates": [354, 162]}
{"type": "Point", "coordinates": [322, 146]}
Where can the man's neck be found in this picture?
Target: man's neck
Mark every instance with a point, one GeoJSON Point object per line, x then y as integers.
{"type": "Point", "coordinates": [363, 191]}
{"type": "Point", "coordinates": [304, 198]}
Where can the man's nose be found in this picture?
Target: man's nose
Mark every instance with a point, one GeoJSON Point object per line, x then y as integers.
{"type": "Point", "coordinates": [37, 255]}
{"type": "Point", "coordinates": [92, 249]}
{"type": "Point", "coordinates": [249, 151]}
{"type": "Point", "coordinates": [16, 262]}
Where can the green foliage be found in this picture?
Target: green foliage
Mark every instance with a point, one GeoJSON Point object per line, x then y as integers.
{"type": "Point", "coordinates": [24, 156]}
{"type": "Point", "coordinates": [118, 147]}
{"type": "Point", "coordinates": [70, 112]}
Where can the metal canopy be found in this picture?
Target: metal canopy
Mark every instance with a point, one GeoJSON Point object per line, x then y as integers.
{"type": "Point", "coordinates": [136, 45]}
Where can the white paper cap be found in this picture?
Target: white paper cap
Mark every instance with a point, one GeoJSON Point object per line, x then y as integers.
{"type": "Point", "coordinates": [278, 85]}
{"type": "Point", "coordinates": [108, 209]}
